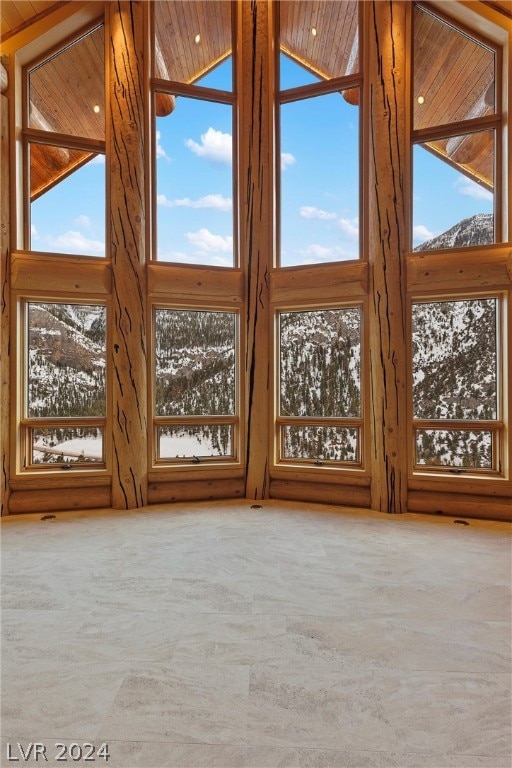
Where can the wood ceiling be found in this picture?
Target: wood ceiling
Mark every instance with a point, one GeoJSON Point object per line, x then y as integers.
{"type": "Point", "coordinates": [331, 51]}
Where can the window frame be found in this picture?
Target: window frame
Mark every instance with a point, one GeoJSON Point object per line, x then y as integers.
{"type": "Point", "coordinates": [53, 138]}
{"type": "Point", "coordinates": [235, 421]}
{"type": "Point", "coordinates": [24, 425]}
{"type": "Point", "coordinates": [497, 427]}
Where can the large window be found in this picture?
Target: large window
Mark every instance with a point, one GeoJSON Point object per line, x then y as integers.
{"type": "Point", "coordinates": [65, 146]}
{"type": "Point", "coordinates": [195, 385]}
{"type": "Point", "coordinates": [65, 395]}
{"type": "Point", "coordinates": [456, 384]}
{"type": "Point", "coordinates": [320, 415]}
{"type": "Point", "coordinates": [456, 133]}
{"type": "Point", "coordinates": [319, 160]}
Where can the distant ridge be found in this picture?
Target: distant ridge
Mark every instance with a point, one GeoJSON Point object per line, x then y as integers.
{"type": "Point", "coordinates": [477, 230]}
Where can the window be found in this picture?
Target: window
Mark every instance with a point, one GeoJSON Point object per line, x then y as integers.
{"type": "Point", "coordinates": [193, 133]}
{"type": "Point", "coordinates": [319, 131]}
{"type": "Point", "coordinates": [195, 385]}
{"type": "Point", "coordinates": [65, 146]}
{"type": "Point", "coordinates": [320, 414]}
{"type": "Point", "coordinates": [65, 395]}
{"type": "Point", "coordinates": [457, 136]}
{"type": "Point", "coordinates": [456, 385]}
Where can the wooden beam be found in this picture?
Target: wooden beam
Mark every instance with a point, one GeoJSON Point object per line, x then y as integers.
{"type": "Point", "coordinates": [256, 226]}
{"type": "Point", "coordinates": [386, 223]}
{"type": "Point", "coordinates": [127, 149]}
{"type": "Point", "coordinates": [4, 306]}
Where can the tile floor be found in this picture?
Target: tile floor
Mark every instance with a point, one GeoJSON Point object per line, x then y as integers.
{"type": "Point", "coordinates": [214, 634]}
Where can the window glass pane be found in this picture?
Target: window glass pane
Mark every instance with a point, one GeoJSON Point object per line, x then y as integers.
{"type": "Point", "coordinates": [453, 74]}
{"type": "Point", "coordinates": [68, 445]}
{"type": "Point", "coordinates": [320, 179]}
{"type": "Point", "coordinates": [320, 34]}
{"type": "Point", "coordinates": [190, 38]}
{"type": "Point", "coordinates": [458, 209]}
{"type": "Point", "coordinates": [321, 443]}
{"type": "Point", "coordinates": [455, 359]}
{"type": "Point", "coordinates": [67, 92]}
{"type": "Point", "coordinates": [195, 183]}
{"type": "Point", "coordinates": [66, 360]}
{"type": "Point", "coordinates": [454, 448]}
{"type": "Point", "coordinates": [194, 362]}
{"type": "Point", "coordinates": [202, 441]}
{"type": "Point", "coordinates": [67, 210]}
{"type": "Point", "coordinates": [320, 355]}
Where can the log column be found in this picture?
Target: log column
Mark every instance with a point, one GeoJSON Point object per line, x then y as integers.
{"type": "Point", "coordinates": [4, 294]}
{"type": "Point", "coordinates": [256, 226]}
{"type": "Point", "coordinates": [126, 152]}
{"type": "Point", "coordinates": [387, 151]}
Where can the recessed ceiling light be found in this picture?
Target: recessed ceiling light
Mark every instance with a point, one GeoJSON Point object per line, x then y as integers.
{"type": "Point", "coordinates": [96, 108]}
{"type": "Point", "coordinates": [313, 31]}
{"type": "Point", "coordinates": [197, 39]}
{"type": "Point", "coordinates": [421, 100]}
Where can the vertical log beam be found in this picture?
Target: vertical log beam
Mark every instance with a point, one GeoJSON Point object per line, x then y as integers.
{"type": "Point", "coordinates": [127, 241]}
{"type": "Point", "coordinates": [4, 295]}
{"type": "Point", "coordinates": [255, 76]}
{"type": "Point", "coordinates": [387, 150]}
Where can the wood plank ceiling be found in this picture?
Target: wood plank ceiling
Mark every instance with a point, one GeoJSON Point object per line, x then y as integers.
{"type": "Point", "coordinates": [331, 51]}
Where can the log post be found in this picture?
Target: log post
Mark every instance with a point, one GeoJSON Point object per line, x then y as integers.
{"type": "Point", "coordinates": [256, 227]}
{"type": "Point", "coordinates": [126, 153]}
{"type": "Point", "coordinates": [387, 246]}
{"type": "Point", "coordinates": [4, 295]}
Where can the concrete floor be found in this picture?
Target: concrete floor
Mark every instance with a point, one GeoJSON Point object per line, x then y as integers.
{"type": "Point", "coordinates": [215, 634]}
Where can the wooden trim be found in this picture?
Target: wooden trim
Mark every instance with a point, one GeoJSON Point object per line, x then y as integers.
{"type": "Point", "coordinates": [5, 307]}
{"type": "Point", "coordinates": [126, 149]}
{"type": "Point", "coordinates": [387, 61]}
{"type": "Point", "coordinates": [77, 276]}
{"type": "Point", "coordinates": [456, 271]}
{"type": "Point", "coordinates": [169, 282]}
{"type": "Point", "coordinates": [255, 78]}
{"type": "Point", "coordinates": [326, 283]}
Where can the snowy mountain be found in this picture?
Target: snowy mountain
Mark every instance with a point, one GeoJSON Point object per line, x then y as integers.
{"type": "Point", "coordinates": [477, 230]}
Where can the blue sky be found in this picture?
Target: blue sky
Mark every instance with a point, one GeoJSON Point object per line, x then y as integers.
{"type": "Point", "coordinates": [319, 185]}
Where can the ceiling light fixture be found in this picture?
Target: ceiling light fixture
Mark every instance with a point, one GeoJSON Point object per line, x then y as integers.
{"type": "Point", "coordinates": [96, 108]}
{"type": "Point", "coordinates": [313, 31]}
{"type": "Point", "coordinates": [420, 100]}
{"type": "Point", "coordinates": [197, 39]}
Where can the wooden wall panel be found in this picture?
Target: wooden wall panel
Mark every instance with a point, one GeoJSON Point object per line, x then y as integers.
{"type": "Point", "coordinates": [322, 493]}
{"type": "Point", "coordinates": [387, 239]}
{"type": "Point", "coordinates": [127, 151]}
{"type": "Point", "coordinates": [4, 306]}
{"type": "Point", "coordinates": [256, 228]}
{"type": "Point", "coordinates": [46, 500]}
{"type": "Point", "coordinates": [195, 490]}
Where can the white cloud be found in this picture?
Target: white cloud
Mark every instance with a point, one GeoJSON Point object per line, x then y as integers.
{"type": "Point", "coordinates": [315, 254]}
{"type": "Point", "coordinates": [215, 146]}
{"type": "Point", "coordinates": [83, 221]}
{"type": "Point", "coordinates": [33, 232]}
{"type": "Point", "coordinates": [216, 201]}
{"type": "Point", "coordinates": [421, 234]}
{"type": "Point", "coordinates": [469, 188]}
{"type": "Point", "coordinates": [160, 151]}
{"type": "Point", "coordinates": [98, 160]}
{"type": "Point", "coordinates": [206, 241]}
{"type": "Point", "coordinates": [310, 212]}
{"type": "Point", "coordinates": [349, 227]}
{"type": "Point", "coordinates": [287, 159]}
{"type": "Point", "coordinates": [75, 242]}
